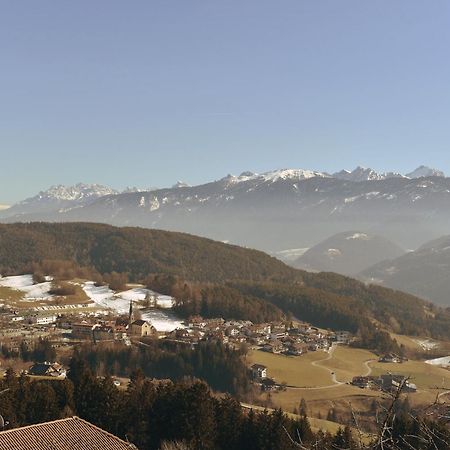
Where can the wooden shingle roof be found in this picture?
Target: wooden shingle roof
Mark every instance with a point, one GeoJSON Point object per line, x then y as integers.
{"type": "Point", "coordinates": [65, 434]}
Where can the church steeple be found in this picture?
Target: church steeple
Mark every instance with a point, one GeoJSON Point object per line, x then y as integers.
{"type": "Point", "coordinates": [130, 315]}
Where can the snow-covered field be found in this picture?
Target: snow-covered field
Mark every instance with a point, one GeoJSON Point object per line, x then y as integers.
{"type": "Point", "coordinates": [160, 317]}
{"type": "Point", "coordinates": [25, 284]}
{"type": "Point", "coordinates": [444, 362]}
{"type": "Point", "coordinates": [162, 320]}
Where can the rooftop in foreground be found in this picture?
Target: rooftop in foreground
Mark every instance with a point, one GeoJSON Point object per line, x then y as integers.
{"type": "Point", "coordinates": [64, 434]}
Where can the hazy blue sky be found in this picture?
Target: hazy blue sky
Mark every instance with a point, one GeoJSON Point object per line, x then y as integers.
{"type": "Point", "coordinates": [147, 92]}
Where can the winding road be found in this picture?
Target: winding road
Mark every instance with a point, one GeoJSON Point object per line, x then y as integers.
{"type": "Point", "coordinates": [331, 371]}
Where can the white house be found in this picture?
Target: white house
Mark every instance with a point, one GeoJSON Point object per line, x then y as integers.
{"type": "Point", "coordinates": [259, 372]}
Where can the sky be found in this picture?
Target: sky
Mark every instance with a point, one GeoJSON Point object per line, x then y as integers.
{"type": "Point", "coordinates": [145, 93]}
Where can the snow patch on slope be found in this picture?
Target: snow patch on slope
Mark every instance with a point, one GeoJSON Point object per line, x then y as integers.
{"type": "Point", "coordinates": [359, 236]}
{"type": "Point", "coordinates": [24, 283]}
{"type": "Point", "coordinates": [162, 319]}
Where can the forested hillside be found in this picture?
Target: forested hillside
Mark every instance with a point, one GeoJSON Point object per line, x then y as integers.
{"type": "Point", "coordinates": [216, 279]}
{"type": "Point", "coordinates": [135, 251]}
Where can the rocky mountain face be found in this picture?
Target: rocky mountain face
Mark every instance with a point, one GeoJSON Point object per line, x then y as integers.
{"type": "Point", "coordinates": [423, 272]}
{"type": "Point", "coordinates": [348, 253]}
{"type": "Point", "coordinates": [278, 210]}
{"type": "Point", "coordinates": [423, 171]}
{"type": "Point", "coordinates": [366, 174]}
{"type": "Point", "coordinates": [58, 198]}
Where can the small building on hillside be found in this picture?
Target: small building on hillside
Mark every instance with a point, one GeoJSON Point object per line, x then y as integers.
{"type": "Point", "coordinates": [82, 330]}
{"type": "Point", "coordinates": [259, 372]}
{"type": "Point", "coordinates": [47, 369]}
{"type": "Point", "coordinates": [343, 337]}
{"type": "Point", "coordinates": [274, 346]}
{"type": "Point", "coordinates": [361, 382]}
{"type": "Point", "coordinates": [142, 328]}
{"type": "Point", "coordinates": [42, 318]}
{"type": "Point", "coordinates": [391, 383]}
{"type": "Point", "coordinates": [297, 349]}
{"type": "Point", "coordinates": [391, 358]}
{"type": "Point", "coordinates": [103, 332]}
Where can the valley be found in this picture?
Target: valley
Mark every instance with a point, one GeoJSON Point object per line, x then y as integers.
{"type": "Point", "coordinates": [213, 311]}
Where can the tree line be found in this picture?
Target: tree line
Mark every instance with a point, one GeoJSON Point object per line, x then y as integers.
{"type": "Point", "coordinates": [150, 414]}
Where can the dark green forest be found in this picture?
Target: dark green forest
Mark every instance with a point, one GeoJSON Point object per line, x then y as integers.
{"type": "Point", "coordinates": [148, 413]}
{"type": "Point", "coordinates": [221, 367]}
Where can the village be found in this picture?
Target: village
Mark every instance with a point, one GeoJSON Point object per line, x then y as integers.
{"type": "Point", "coordinates": [62, 329]}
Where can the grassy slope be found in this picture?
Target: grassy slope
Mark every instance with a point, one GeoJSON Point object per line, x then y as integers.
{"type": "Point", "coordinates": [346, 363]}
{"type": "Point", "coordinates": [294, 370]}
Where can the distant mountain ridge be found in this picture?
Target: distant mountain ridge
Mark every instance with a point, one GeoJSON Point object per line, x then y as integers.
{"type": "Point", "coordinates": [423, 272]}
{"type": "Point", "coordinates": [348, 253]}
{"type": "Point", "coordinates": [272, 211]}
{"type": "Point", "coordinates": [365, 174]}
{"type": "Point", "coordinates": [59, 197]}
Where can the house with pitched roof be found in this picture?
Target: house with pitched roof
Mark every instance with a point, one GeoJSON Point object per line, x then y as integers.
{"type": "Point", "coordinates": [142, 328]}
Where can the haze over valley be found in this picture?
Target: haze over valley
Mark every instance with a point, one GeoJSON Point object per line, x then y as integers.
{"type": "Point", "coordinates": [288, 208]}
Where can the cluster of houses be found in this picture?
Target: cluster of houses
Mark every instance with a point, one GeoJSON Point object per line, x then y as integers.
{"type": "Point", "coordinates": [17, 329]}
{"type": "Point", "coordinates": [387, 382]}
{"type": "Point", "coordinates": [68, 329]}
{"type": "Point", "coordinates": [274, 337]}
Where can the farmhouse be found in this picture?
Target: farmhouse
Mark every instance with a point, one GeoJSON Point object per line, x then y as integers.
{"type": "Point", "coordinates": [391, 382]}
{"type": "Point", "coordinates": [259, 372]}
{"type": "Point", "coordinates": [47, 369]}
{"type": "Point", "coordinates": [390, 358]}
{"type": "Point", "coordinates": [361, 382]}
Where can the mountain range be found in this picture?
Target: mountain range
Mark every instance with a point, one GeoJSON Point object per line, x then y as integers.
{"type": "Point", "coordinates": [273, 211]}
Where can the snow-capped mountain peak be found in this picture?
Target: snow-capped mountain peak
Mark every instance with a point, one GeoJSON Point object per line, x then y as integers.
{"type": "Point", "coordinates": [79, 191]}
{"type": "Point", "coordinates": [276, 175]}
{"type": "Point", "coordinates": [61, 198]}
{"type": "Point", "coordinates": [424, 171]}
{"type": "Point", "coordinates": [180, 184]}
{"type": "Point", "coordinates": [364, 174]}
